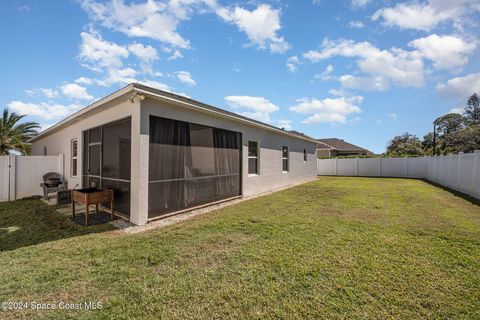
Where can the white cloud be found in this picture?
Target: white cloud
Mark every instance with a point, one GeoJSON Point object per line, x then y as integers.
{"type": "Point", "coordinates": [460, 87]}
{"type": "Point", "coordinates": [426, 16]}
{"type": "Point", "coordinates": [151, 19]}
{"type": "Point", "coordinates": [160, 20]}
{"type": "Point", "coordinates": [185, 77]}
{"type": "Point", "coordinates": [47, 111]}
{"type": "Point", "coordinates": [356, 24]}
{"type": "Point", "coordinates": [402, 67]}
{"type": "Point", "coordinates": [260, 104]}
{"type": "Point", "coordinates": [47, 92]}
{"type": "Point", "coordinates": [176, 55]}
{"type": "Point", "coordinates": [337, 92]}
{"type": "Point", "coordinates": [118, 76]}
{"type": "Point", "coordinates": [283, 124]}
{"type": "Point", "coordinates": [73, 90]}
{"type": "Point", "coordinates": [261, 26]}
{"type": "Point", "coordinates": [183, 9]}
{"type": "Point", "coordinates": [259, 108]}
{"type": "Point", "coordinates": [332, 110]}
{"type": "Point", "coordinates": [325, 75]}
{"type": "Point", "coordinates": [100, 54]}
{"type": "Point", "coordinates": [360, 3]}
{"type": "Point", "coordinates": [378, 83]}
{"type": "Point", "coordinates": [292, 63]}
{"type": "Point", "coordinates": [446, 52]}
{"type": "Point", "coordinates": [84, 80]}
{"type": "Point", "coordinates": [146, 54]}
{"type": "Point", "coordinates": [156, 85]}
{"type": "Point", "coordinates": [458, 110]}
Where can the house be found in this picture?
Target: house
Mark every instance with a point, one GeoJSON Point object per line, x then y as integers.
{"type": "Point", "coordinates": [334, 147]}
{"type": "Point", "coordinates": [163, 153]}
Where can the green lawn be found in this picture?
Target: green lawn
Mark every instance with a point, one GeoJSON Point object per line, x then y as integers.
{"type": "Point", "coordinates": [334, 248]}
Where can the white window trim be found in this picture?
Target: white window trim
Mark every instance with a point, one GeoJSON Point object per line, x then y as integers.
{"type": "Point", "coordinates": [287, 158]}
{"type": "Point", "coordinates": [251, 157]}
{"type": "Point", "coordinates": [72, 157]}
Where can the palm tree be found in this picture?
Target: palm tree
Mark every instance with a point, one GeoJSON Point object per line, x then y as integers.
{"type": "Point", "coordinates": [14, 135]}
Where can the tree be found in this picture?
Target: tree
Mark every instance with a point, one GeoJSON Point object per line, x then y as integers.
{"type": "Point", "coordinates": [468, 140]}
{"type": "Point", "coordinates": [14, 135]}
{"type": "Point", "coordinates": [427, 143]}
{"type": "Point", "coordinates": [448, 128]}
{"type": "Point", "coordinates": [449, 123]}
{"type": "Point", "coordinates": [472, 110]}
{"type": "Point", "coordinates": [405, 145]}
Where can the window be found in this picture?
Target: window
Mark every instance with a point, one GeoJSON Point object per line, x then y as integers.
{"type": "Point", "coordinates": [74, 154]}
{"type": "Point", "coordinates": [191, 165]}
{"type": "Point", "coordinates": [305, 155]}
{"type": "Point", "coordinates": [285, 158]}
{"type": "Point", "coordinates": [252, 157]}
{"type": "Point", "coordinates": [44, 150]}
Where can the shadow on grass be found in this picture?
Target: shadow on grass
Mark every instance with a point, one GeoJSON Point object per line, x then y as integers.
{"type": "Point", "coordinates": [459, 194]}
{"type": "Point", "coordinates": [30, 222]}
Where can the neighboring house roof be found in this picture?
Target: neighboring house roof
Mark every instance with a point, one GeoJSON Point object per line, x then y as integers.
{"type": "Point", "coordinates": [339, 144]}
{"type": "Point", "coordinates": [169, 97]}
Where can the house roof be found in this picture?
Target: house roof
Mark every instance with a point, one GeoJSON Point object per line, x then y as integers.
{"type": "Point", "coordinates": [169, 97]}
{"type": "Point", "coordinates": [300, 134]}
{"type": "Point", "coordinates": [339, 144]}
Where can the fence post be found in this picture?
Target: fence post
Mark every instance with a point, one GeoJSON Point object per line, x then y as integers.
{"type": "Point", "coordinates": [336, 166]}
{"type": "Point", "coordinates": [476, 163]}
{"type": "Point", "coordinates": [12, 178]}
{"type": "Point", "coordinates": [356, 166]}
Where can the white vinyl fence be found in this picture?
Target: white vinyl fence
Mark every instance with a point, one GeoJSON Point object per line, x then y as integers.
{"type": "Point", "coordinates": [460, 172]}
{"type": "Point", "coordinates": [21, 176]}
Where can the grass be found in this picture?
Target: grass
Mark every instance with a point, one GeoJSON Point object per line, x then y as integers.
{"type": "Point", "coordinates": [333, 248]}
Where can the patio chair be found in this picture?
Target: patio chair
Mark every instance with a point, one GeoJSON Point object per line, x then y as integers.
{"type": "Point", "coordinates": [52, 182]}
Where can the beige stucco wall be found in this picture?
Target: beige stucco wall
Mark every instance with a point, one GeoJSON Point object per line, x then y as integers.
{"type": "Point", "coordinates": [59, 142]}
{"type": "Point", "coordinates": [270, 178]}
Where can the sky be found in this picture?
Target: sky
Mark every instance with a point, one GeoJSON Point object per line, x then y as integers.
{"type": "Point", "coordinates": [359, 70]}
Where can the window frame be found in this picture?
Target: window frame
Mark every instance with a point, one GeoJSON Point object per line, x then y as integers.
{"type": "Point", "coordinates": [73, 157]}
{"type": "Point", "coordinates": [257, 157]}
{"type": "Point", "coordinates": [286, 158]}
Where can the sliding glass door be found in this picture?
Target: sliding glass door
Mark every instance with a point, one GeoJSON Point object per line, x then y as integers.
{"type": "Point", "coordinates": [106, 160]}
{"type": "Point", "coordinates": [190, 165]}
